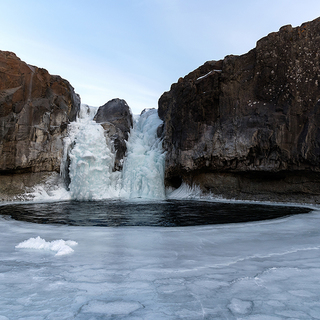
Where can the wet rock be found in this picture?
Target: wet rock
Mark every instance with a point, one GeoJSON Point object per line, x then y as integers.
{"type": "Point", "coordinates": [116, 118]}
{"type": "Point", "coordinates": [21, 187]}
{"type": "Point", "coordinates": [249, 117]}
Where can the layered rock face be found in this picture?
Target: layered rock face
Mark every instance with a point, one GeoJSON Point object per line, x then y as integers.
{"type": "Point", "coordinates": [35, 109]}
{"type": "Point", "coordinates": [116, 118]}
{"type": "Point", "coordinates": [249, 124]}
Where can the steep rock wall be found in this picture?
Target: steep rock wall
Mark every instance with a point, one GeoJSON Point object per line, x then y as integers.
{"type": "Point", "coordinates": [116, 118]}
{"type": "Point", "coordinates": [249, 124]}
{"type": "Point", "coordinates": [35, 109]}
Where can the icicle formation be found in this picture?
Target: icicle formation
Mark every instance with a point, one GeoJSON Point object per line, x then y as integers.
{"type": "Point", "coordinates": [91, 161]}
{"type": "Point", "coordinates": [143, 170]}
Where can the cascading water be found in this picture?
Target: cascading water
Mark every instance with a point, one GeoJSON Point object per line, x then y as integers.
{"type": "Point", "coordinates": [143, 170]}
{"type": "Point", "coordinates": [91, 163]}
{"type": "Point", "coordinates": [91, 160]}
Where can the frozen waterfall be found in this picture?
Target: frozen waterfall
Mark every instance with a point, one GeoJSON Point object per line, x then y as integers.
{"type": "Point", "coordinates": [143, 170]}
{"type": "Point", "coordinates": [91, 163]}
{"type": "Point", "coordinates": [89, 154]}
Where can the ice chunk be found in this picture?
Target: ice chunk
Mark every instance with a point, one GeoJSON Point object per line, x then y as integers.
{"type": "Point", "coordinates": [62, 247]}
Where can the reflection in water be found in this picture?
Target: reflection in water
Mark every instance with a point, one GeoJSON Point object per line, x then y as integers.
{"type": "Point", "coordinates": [169, 213]}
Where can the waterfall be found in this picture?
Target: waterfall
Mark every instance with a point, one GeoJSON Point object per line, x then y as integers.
{"type": "Point", "coordinates": [143, 170]}
{"type": "Point", "coordinates": [91, 160]}
{"type": "Point", "coordinates": [89, 155]}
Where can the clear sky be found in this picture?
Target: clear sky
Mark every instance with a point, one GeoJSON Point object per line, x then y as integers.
{"type": "Point", "coordinates": [136, 49]}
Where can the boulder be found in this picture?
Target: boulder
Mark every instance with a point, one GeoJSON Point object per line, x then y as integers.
{"type": "Point", "coordinates": [116, 118]}
{"type": "Point", "coordinates": [249, 125]}
{"type": "Point", "coordinates": [35, 109]}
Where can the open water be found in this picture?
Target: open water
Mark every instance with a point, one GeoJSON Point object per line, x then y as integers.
{"type": "Point", "coordinates": [165, 213]}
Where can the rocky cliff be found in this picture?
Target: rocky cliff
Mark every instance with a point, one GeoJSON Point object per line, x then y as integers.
{"type": "Point", "coordinates": [116, 118]}
{"type": "Point", "coordinates": [35, 109]}
{"type": "Point", "coordinates": [249, 125]}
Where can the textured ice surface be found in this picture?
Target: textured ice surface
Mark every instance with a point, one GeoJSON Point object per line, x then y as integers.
{"type": "Point", "coordinates": [260, 270]}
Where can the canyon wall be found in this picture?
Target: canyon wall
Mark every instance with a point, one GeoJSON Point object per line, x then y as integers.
{"type": "Point", "coordinates": [35, 109]}
{"type": "Point", "coordinates": [249, 126]}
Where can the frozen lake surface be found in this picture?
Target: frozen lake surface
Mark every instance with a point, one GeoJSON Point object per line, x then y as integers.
{"type": "Point", "coordinates": [256, 270]}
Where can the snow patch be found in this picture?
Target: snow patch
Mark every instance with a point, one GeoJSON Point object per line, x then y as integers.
{"type": "Point", "coordinates": [202, 77]}
{"type": "Point", "coordinates": [207, 74]}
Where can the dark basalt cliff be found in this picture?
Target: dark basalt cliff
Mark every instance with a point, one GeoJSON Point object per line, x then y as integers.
{"type": "Point", "coordinates": [35, 109]}
{"type": "Point", "coordinates": [249, 125]}
{"type": "Point", "coordinates": [116, 118]}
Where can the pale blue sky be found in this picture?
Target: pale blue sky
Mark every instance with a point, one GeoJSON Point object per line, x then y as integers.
{"type": "Point", "coordinates": [136, 49]}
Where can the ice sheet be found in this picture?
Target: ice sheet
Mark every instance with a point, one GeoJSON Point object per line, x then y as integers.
{"type": "Point", "coordinates": [262, 270]}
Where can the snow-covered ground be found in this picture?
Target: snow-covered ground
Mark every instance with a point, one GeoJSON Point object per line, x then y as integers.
{"type": "Point", "coordinates": [261, 270]}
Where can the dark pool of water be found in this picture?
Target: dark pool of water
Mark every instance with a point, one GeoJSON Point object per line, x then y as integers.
{"type": "Point", "coordinates": [170, 213]}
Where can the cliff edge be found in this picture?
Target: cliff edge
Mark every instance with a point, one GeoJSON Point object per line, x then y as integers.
{"type": "Point", "coordinates": [249, 126]}
{"type": "Point", "coordinates": [35, 109]}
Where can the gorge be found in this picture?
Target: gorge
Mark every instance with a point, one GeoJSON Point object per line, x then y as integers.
{"type": "Point", "coordinates": [109, 215]}
{"type": "Point", "coordinates": [245, 127]}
